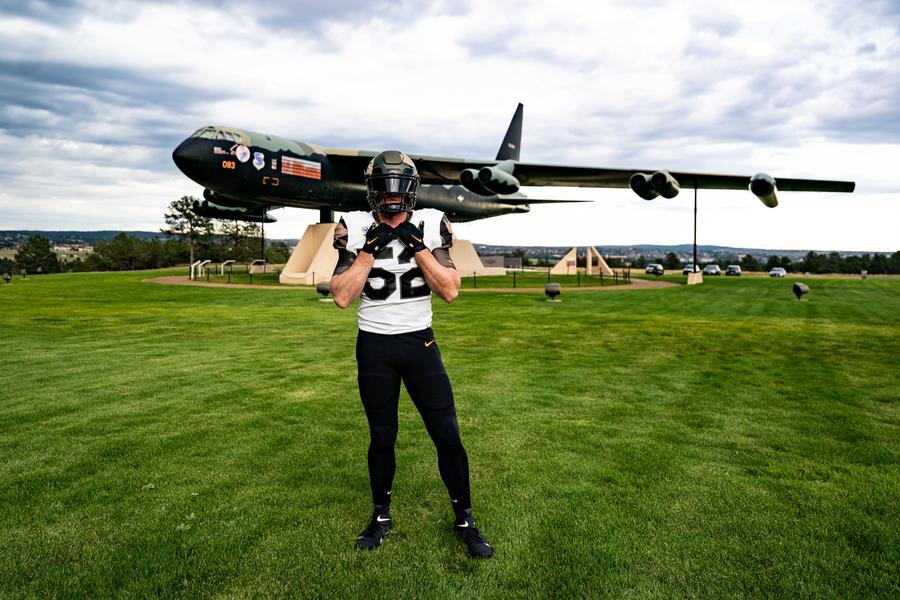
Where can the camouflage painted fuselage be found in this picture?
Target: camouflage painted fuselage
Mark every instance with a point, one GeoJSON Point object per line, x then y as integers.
{"type": "Point", "coordinates": [249, 172]}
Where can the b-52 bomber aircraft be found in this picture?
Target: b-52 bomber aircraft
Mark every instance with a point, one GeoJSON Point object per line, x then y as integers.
{"type": "Point", "coordinates": [245, 174]}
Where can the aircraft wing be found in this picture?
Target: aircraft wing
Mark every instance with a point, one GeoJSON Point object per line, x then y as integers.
{"type": "Point", "coordinates": [557, 175]}
{"type": "Point", "coordinates": [446, 171]}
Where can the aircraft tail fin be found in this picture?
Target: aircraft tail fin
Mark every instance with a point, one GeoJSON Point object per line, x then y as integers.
{"type": "Point", "coordinates": [512, 142]}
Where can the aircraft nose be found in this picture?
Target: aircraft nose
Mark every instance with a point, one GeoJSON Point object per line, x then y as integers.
{"type": "Point", "coordinates": [188, 156]}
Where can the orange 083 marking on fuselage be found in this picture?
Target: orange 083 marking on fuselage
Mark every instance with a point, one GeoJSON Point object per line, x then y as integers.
{"type": "Point", "coordinates": [229, 164]}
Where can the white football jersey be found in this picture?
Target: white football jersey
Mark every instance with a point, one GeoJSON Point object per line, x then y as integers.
{"type": "Point", "coordinates": [396, 298]}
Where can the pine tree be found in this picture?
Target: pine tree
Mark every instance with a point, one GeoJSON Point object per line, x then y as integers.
{"type": "Point", "coordinates": [185, 225]}
{"type": "Point", "coordinates": [36, 255]}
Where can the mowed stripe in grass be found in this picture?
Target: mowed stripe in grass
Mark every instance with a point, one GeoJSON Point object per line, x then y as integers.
{"type": "Point", "coordinates": [724, 440]}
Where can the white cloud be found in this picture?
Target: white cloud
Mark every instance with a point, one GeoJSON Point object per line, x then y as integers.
{"type": "Point", "coordinates": [782, 87]}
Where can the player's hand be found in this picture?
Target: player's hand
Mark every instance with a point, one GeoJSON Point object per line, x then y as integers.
{"type": "Point", "coordinates": [411, 236]}
{"type": "Point", "coordinates": [378, 237]}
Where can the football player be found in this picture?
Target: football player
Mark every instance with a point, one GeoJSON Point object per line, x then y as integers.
{"type": "Point", "coordinates": [393, 258]}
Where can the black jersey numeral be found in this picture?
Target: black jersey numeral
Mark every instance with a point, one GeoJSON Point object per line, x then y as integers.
{"type": "Point", "coordinates": [405, 256]}
{"type": "Point", "coordinates": [381, 293]}
{"type": "Point", "coordinates": [407, 289]}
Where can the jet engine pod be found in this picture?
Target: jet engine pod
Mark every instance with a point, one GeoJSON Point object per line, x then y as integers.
{"type": "Point", "coordinates": [217, 211]}
{"type": "Point", "coordinates": [469, 180]}
{"type": "Point", "coordinates": [640, 185]}
{"type": "Point", "coordinates": [664, 184]}
{"type": "Point", "coordinates": [216, 198]}
{"type": "Point", "coordinates": [498, 180]}
{"type": "Point", "coordinates": [763, 187]}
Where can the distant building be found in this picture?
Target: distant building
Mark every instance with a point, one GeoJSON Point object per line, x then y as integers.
{"type": "Point", "coordinates": [492, 261]}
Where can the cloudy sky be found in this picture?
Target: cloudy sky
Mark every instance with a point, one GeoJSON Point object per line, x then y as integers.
{"type": "Point", "coordinates": [94, 96]}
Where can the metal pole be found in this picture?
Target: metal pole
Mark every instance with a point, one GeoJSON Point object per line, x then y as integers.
{"type": "Point", "coordinates": [578, 275]}
{"type": "Point", "coordinates": [514, 279]}
{"type": "Point", "coordinates": [474, 279]}
{"type": "Point", "coordinates": [695, 224]}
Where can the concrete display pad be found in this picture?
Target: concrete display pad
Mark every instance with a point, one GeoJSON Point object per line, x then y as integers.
{"type": "Point", "coordinates": [602, 267]}
{"type": "Point", "coordinates": [314, 258]}
{"type": "Point", "coordinates": [568, 264]}
{"type": "Point", "coordinates": [467, 261]}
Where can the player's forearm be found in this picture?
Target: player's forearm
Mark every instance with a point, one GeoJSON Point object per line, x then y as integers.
{"type": "Point", "coordinates": [442, 280]}
{"type": "Point", "coordinates": [347, 286]}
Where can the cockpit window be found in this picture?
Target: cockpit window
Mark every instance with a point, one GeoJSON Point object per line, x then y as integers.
{"type": "Point", "coordinates": [208, 133]}
{"type": "Point", "coordinates": [214, 133]}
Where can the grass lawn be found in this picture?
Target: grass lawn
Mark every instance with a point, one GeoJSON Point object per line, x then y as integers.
{"type": "Point", "coordinates": [717, 441]}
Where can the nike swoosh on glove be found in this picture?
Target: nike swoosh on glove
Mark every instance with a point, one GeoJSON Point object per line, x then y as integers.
{"type": "Point", "coordinates": [411, 236]}
{"type": "Point", "coordinates": [378, 237]}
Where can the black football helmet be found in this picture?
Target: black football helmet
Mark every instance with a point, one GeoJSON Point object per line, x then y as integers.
{"type": "Point", "coordinates": [391, 173]}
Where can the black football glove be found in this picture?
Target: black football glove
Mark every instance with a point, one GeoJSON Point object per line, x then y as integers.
{"type": "Point", "coordinates": [378, 237]}
{"type": "Point", "coordinates": [411, 236]}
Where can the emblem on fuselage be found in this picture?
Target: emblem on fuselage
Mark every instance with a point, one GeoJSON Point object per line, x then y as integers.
{"type": "Point", "coordinates": [242, 152]}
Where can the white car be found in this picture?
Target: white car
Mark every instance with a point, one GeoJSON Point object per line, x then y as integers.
{"type": "Point", "coordinates": [777, 272]}
{"type": "Point", "coordinates": [712, 270]}
{"type": "Point", "coordinates": [654, 269]}
{"type": "Point", "coordinates": [688, 268]}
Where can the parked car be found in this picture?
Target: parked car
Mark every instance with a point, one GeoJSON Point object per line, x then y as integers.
{"type": "Point", "coordinates": [690, 267]}
{"type": "Point", "coordinates": [733, 270]}
{"type": "Point", "coordinates": [777, 272]}
{"type": "Point", "coordinates": [655, 269]}
{"type": "Point", "coordinates": [712, 270]}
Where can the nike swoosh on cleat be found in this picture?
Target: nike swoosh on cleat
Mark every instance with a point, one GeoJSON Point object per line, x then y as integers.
{"type": "Point", "coordinates": [372, 240]}
{"type": "Point", "coordinates": [415, 238]}
{"type": "Point", "coordinates": [464, 525]}
{"type": "Point", "coordinates": [427, 344]}
{"type": "Point", "coordinates": [380, 520]}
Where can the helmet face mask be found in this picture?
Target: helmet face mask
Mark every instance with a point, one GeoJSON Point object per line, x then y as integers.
{"type": "Point", "coordinates": [391, 174]}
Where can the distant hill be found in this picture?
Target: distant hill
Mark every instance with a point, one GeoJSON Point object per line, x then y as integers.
{"type": "Point", "coordinates": [12, 238]}
{"type": "Point", "coordinates": [15, 237]}
{"type": "Point", "coordinates": [652, 251]}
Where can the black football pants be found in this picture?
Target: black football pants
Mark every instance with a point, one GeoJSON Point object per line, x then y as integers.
{"type": "Point", "coordinates": [414, 358]}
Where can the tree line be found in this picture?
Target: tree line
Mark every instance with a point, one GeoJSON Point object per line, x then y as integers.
{"type": "Point", "coordinates": [185, 237]}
